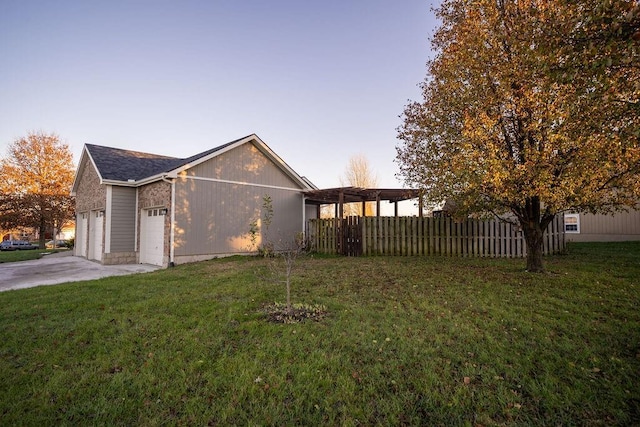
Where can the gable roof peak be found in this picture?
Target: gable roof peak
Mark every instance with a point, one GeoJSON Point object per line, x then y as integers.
{"type": "Point", "coordinates": [132, 167]}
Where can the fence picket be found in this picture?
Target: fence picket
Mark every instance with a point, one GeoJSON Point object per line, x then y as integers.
{"type": "Point", "coordinates": [426, 236]}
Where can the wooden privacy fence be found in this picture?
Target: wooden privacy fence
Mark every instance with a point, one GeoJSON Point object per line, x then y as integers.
{"type": "Point", "coordinates": [356, 236]}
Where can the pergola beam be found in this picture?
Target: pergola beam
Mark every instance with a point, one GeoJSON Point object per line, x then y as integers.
{"type": "Point", "coordinates": [341, 195]}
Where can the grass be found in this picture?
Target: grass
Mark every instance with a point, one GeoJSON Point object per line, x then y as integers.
{"type": "Point", "coordinates": [408, 341]}
{"type": "Point", "coordinates": [15, 256]}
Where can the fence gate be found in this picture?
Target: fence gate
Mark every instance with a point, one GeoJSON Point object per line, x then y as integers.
{"type": "Point", "coordinates": [351, 236]}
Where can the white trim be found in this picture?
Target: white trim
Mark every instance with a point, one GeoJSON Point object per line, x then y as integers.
{"type": "Point", "coordinates": [249, 184]}
{"type": "Point", "coordinates": [172, 220]}
{"type": "Point", "coordinates": [135, 225]}
{"type": "Point", "coordinates": [120, 183]}
{"type": "Point", "coordinates": [107, 220]}
{"type": "Point", "coordinates": [81, 165]}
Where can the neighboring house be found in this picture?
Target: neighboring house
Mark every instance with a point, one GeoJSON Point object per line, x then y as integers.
{"type": "Point", "coordinates": [26, 233]}
{"type": "Point", "coordinates": [134, 207]}
{"type": "Point", "coordinates": [31, 234]}
{"type": "Point", "coordinates": [621, 226]}
{"type": "Point", "coordinates": [602, 228]}
{"type": "Point", "coordinates": [67, 232]}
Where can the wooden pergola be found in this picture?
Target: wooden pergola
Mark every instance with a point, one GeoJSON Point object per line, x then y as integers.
{"type": "Point", "coordinates": [341, 195]}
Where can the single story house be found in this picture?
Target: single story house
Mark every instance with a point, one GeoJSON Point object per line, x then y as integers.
{"type": "Point", "coordinates": [134, 207]}
{"type": "Point", "coordinates": [585, 227]}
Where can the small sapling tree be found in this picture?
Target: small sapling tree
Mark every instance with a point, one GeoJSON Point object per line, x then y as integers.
{"type": "Point", "coordinates": [283, 253]}
{"type": "Point", "coordinates": [287, 253]}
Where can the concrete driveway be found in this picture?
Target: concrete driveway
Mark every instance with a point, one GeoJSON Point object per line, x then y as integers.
{"type": "Point", "coordinates": [60, 268]}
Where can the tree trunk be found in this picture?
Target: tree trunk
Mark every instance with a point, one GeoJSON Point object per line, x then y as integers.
{"type": "Point", "coordinates": [534, 242]}
{"type": "Point", "coordinates": [534, 223]}
{"type": "Point", "coordinates": [42, 230]}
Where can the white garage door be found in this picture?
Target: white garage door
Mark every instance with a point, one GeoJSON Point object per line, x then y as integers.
{"type": "Point", "coordinates": [81, 234]}
{"type": "Point", "coordinates": [152, 237]}
{"type": "Point", "coordinates": [96, 223]}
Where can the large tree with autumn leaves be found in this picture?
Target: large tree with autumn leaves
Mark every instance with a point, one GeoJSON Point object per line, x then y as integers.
{"type": "Point", "coordinates": [530, 108]}
{"type": "Point", "coordinates": [358, 173]}
{"type": "Point", "coordinates": [37, 175]}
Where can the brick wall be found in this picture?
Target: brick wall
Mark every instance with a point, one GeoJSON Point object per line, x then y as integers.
{"type": "Point", "coordinates": [157, 194]}
{"type": "Point", "coordinates": [90, 195]}
{"type": "Point", "coordinates": [120, 258]}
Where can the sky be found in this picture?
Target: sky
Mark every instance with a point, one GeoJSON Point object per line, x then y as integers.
{"type": "Point", "coordinates": [318, 82]}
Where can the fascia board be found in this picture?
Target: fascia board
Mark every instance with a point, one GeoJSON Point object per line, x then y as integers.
{"type": "Point", "coordinates": [120, 183]}
{"type": "Point", "coordinates": [266, 150]}
{"type": "Point", "coordinates": [140, 182]}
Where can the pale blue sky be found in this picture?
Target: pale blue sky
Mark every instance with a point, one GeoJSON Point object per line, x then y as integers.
{"type": "Point", "coordinates": [317, 81]}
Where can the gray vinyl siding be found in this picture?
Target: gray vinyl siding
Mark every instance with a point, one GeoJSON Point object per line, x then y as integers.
{"type": "Point", "coordinates": [245, 163]}
{"type": "Point", "coordinates": [123, 218]}
{"type": "Point", "coordinates": [215, 217]}
{"type": "Point", "coordinates": [311, 212]}
{"type": "Point", "coordinates": [607, 228]}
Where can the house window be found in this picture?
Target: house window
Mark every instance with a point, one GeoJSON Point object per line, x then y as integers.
{"type": "Point", "coordinates": [156, 212]}
{"type": "Point", "coordinates": [572, 223]}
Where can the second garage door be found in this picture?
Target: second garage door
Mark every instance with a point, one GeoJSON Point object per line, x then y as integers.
{"type": "Point", "coordinates": [152, 237]}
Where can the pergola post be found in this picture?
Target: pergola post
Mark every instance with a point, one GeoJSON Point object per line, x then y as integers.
{"type": "Point", "coordinates": [378, 204]}
{"type": "Point", "coordinates": [395, 209]}
{"type": "Point", "coordinates": [364, 208]}
{"type": "Point", "coordinates": [420, 200]}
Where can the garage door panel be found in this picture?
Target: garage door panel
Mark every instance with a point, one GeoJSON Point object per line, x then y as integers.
{"type": "Point", "coordinates": [96, 225]}
{"type": "Point", "coordinates": [152, 237]}
{"type": "Point", "coordinates": [81, 235]}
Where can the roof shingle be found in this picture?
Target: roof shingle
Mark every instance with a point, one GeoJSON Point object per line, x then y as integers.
{"type": "Point", "coordinates": [122, 165]}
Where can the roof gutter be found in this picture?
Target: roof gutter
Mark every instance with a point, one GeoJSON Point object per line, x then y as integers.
{"type": "Point", "coordinates": [144, 181]}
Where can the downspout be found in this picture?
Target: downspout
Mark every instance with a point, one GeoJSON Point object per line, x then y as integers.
{"type": "Point", "coordinates": [135, 225]}
{"type": "Point", "coordinates": [172, 219]}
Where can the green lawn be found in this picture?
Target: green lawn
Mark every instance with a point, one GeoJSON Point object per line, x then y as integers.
{"type": "Point", "coordinates": [15, 256]}
{"type": "Point", "coordinates": [408, 341]}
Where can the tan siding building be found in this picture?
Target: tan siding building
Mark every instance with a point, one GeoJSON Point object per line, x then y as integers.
{"type": "Point", "coordinates": [147, 208]}
{"type": "Point", "coordinates": [622, 226]}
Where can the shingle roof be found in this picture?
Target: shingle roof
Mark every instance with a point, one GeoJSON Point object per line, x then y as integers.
{"type": "Point", "coordinates": [122, 165]}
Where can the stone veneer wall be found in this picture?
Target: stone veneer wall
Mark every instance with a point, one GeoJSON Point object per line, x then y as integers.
{"type": "Point", "coordinates": [120, 258]}
{"type": "Point", "coordinates": [156, 195]}
{"type": "Point", "coordinates": [90, 195]}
